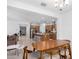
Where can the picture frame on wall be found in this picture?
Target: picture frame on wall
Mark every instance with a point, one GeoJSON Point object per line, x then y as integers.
{"type": "Point", "coordinates": [22, 30]}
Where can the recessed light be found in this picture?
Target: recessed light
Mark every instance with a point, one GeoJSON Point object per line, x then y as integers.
{"type": "Point", "coordinates": [60, 9]}
{"type": "Point", "coordinates": [56, 5]}
{"type": "Point", "coordinates": [43, 4]}
{"type": "Point", "coordinates": [56, 0]}
{"type": "Point", "coordinates": [66, 1]}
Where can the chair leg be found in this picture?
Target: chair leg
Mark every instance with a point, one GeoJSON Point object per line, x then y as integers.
{"type": "Point", "coordinates": [70, 51]}
{"type": "Point", "coordinates": [60, 57]}
{"type": "Point", "coordinates": [25, 53]}
{"type": "Point", "coordinates": [17, 52]}
{"type": "Point", "coordinates": [60, 54]}
{"type": "Point", "coordinates": [63, 56]}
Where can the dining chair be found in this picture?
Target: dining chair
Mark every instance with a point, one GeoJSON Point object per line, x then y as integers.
{"type": "Point", "coordinates": [25, 53]}
{"type": "Point", "coordinates": [66, 51]}
{"type": "Point", "coordinates": [52, 52]}
{"type": "Point", "coordinates": [45, 37]}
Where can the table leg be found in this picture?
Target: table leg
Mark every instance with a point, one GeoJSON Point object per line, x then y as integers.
{"type": "Point", "coordinates": [60, 54]}
{"type": "Point", "coordinates": [50, 55]}
{"type": "Point", "coordinates": [41, 55]}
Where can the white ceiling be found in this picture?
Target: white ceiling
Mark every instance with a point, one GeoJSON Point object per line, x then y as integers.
{"type": "Point", "coordinates": [23, 15]}
{"type": "Point", "coordinates": [37, 3]}
{"type": "Point", "coordinates": [50, 4]}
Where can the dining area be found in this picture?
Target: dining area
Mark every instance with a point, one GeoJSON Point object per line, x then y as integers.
{"type": "Point", "coordinates": [39, 29]}
{"type": "Point", "coordinates": [43, 41]}
{"type": "Point", "coordinates": [47, 43]}
{"type": "Point", "coordinates": [50, 47]}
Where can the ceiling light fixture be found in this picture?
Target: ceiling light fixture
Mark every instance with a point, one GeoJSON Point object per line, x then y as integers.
{"type": "Point", "coordinates": [61, 4]}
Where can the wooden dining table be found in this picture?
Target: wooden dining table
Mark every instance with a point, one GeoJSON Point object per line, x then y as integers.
{"type": "Point", "coordinates": [43, 46]}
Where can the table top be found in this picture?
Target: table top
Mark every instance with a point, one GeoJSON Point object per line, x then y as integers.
{"type": "Point", "coordinates": [49, 44]}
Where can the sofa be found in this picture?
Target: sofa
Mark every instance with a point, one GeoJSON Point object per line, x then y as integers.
{"type": "Point", "coordinates": [12, 39]}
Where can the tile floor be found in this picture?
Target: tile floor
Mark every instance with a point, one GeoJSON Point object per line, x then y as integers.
{"type": "Point", "coordinates": [34, 55]}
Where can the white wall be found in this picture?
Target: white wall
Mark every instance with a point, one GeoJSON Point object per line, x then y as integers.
{"type": "Point", "coordinates": [17, 16]}
{"type": "Point", "coordinates": [65, 29]}
{"type": "Point", "coordinates": [13, 26]}
{"type": "Point", "coordinates": [64, 26]}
